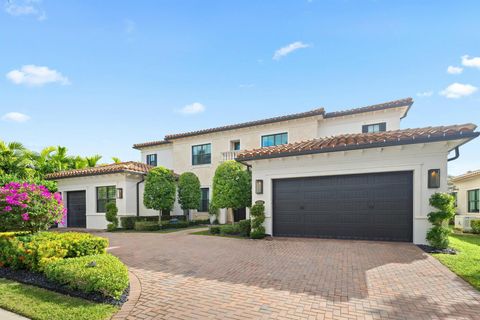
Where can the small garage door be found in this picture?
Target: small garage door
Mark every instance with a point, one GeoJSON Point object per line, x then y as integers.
{"type": "Point", "coordinates": [377, 206]}
{"type": "Point", "coordinates": [77, 211]}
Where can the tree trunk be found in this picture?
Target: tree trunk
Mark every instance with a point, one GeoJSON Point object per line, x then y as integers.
{"type": "Point", "coordinates": [186, 212]}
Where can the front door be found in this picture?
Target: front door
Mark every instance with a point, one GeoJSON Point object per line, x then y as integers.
{"type": "Point", "coordinates": [239, 214]}
{"type": "Point", "coordinates": [76, 209]}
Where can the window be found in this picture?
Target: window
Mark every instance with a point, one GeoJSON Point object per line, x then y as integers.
{"type": "Point", "coordinates": [375, 127]}
{"type": "Point", "coordinates": [274, 139]}
{"type": "Point", "coordinates": [204, 200]}
{"type": "Point", "coordinates": [105, 195]}
{"type": "Point", "coordinates": [152, 159]}
{"type": "Point", "coordinates": [235, 145]}
{"type": "Point", "coordinates": [202, 154]}
{"type": "Point", "coordinates": [473, 200]}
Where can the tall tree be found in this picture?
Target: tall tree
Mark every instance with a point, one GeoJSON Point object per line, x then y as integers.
{"type": "Point", "coordinates": [14, 159]}
{"type": "Point", "coordinates": [93, 160]}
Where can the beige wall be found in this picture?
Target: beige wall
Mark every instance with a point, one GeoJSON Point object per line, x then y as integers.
{"type": "Point", "coordinates": [417, 158]}
{"type": "Point", "coordinates": [462, 188]}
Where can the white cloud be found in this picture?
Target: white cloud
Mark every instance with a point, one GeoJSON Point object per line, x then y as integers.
{"type": "Point", "coordinates": [473, 62]}
{"type": "Point", "coordinates": [454, 70]}
{"type": "Point", "coordinates": [425, 94]}
{"type": "Point", "coordinates": [130, 26]}
{"type": "Point", "coordinates": [457, 90]}
{"type": "Point", "coordinates": [282, 52]}
{"type": "Point", "coordinates": [15, 117]}
{"type": "Point", "coordinates": [33, 75]}
{"type": "Point", "coordinates": [193, 108]}
{"type": "Point", "coordinates": [25, 8]}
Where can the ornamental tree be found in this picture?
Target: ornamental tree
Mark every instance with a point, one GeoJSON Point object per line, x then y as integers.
{"type": "Point", "coordinates": [111, 216]}
{"type": "Point", "coordinates": [29, 207]}
{"type": "Point", "coordinates": [159, 193]}
{"type": "Point", "coordinates": [437, 236]}
{"type": "Point", "coordinates": [189, 192]}
{"type": "Point", "coordinates": [232, 186]}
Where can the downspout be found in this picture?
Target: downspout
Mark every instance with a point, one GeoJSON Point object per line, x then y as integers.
{"type": "Point", "coordinates": [138, 195]}
{"type": "Point", "coordinates": [456, 156]}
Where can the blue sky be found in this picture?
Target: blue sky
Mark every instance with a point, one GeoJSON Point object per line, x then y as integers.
{"type": "Point", "coordinates": [121, 72]}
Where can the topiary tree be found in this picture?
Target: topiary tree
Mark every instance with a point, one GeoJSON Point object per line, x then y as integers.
{"type": "Point", "coordinates": [232, 186]}
{"type": "Point", "coordinates": [159, 193]}
{"type": "Point", "coordinates": [437, 236]}
{"type": "Point", "coordinates": [111, 216]}
{"type": "Point", "coordinates": [257, 216]}
{"type": "Point", "coordinates": [189, 192]}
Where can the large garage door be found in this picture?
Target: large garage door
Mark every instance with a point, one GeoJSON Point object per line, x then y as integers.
{"type": "Point", "coordinates": [76, 209]}
{"type": "Point", "coordinates": [376, 206]}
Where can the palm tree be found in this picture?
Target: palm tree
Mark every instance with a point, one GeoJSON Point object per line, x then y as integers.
{"type": "Point", "coordinates": [13, 159]}
{"type": "Point", "coordinates": [116, 160]}
{"type": "Point", "coordinates": [78, 162]}
{"type": "Point", "coordinates": [93, 160]}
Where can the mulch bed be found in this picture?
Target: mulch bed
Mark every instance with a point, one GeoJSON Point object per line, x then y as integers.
{"type": "Point", "coordinates": [429, 249]}
{"type": "Point", "coordinates": [39, 280]}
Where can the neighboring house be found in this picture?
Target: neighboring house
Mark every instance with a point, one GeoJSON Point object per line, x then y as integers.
{"type": "Point", "coordinates": [348, 174]}
{"type": "Point", "coordinates": [467, 193]}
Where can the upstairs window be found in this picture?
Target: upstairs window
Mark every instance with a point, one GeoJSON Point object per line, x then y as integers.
{"type": "Point", "coordinates": [152, 159]}
{"type": "Point", "coordinates": [235, 145]}
{"type": "Point", "coordinates": [274, 139]}
{"type": "Point", "coordinates": [105, 195]}
{"type": "Point", "coordinates": [375, 127]}
{"type": "Point", "coordinates": [202, 154]}
{"type": "Point", "coordinates": [473, 200]}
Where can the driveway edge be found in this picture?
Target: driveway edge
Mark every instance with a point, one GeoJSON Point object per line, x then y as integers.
{"type": "Point", "coordinates": [134, 295]}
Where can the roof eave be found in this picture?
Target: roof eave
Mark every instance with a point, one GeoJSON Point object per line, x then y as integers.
{"type": "Point", "coordinates": [468, 135]}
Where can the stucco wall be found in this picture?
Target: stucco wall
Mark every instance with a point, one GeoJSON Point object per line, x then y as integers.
{"type": "Point", "coordinates": [164, 154]}
{"type": "Point", "coordinates": [417, 158]}
{"type": "Point", "coordinates": [462, 198]}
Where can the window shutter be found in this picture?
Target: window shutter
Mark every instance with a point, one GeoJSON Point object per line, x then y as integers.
{"type": "Point", "coordinates": [383, 126]}
{"type": "Point", "coordinates": [365, 128]}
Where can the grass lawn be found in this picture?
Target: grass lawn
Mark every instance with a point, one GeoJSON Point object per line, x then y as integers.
{"type": "Point", "coordinates": [466, 263]}
{"type": "Point", "coordinates": [41, 304]}
{"type": "Point", "coordinates": [207, 233]}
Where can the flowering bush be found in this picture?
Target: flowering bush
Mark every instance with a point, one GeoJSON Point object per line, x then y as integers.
{"type": "Point", "coordinates": [29, 207]}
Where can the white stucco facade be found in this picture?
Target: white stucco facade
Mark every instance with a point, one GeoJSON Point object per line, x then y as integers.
{"type": "Point", "coordinates": [418, 158]}
{"type": "Point", "coordinates": [464, 216]}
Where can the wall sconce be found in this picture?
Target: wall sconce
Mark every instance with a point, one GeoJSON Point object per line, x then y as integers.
{"type": "Point", "coordinates": [119, 193]}
{"type": "Point", "coordinates": [433, 178]}
{"type": "Point", "coordinates": [259, 186]}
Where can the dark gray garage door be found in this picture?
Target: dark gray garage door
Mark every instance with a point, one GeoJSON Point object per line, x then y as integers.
{"type": "Point", "coordinates": [76, 206]}
{"type": "Point", "coordinates": [376, 206]}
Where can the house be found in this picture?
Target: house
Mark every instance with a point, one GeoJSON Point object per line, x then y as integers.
{"type": "Point", "coordinates": [466, 188]}
{"type": "Point", "coordinates": [347, 174]}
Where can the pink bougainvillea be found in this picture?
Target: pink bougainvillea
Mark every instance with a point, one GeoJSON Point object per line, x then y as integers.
{"type": "Point", "coordinates": [29, 207]}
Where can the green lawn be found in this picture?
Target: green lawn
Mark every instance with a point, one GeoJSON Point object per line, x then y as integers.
{"type": "Point", "coordinates": [41, 304]}
{"type": "Point", "coordinates": [466, 263]}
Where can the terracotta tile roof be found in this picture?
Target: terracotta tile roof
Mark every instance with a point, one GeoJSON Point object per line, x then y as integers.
{"type": "Point", "coordinates": [467, 175]}
{"type": "Point", "coordinates": [130, 166]}
{"type": "Point", "coordinates": [150, 143]}
{"type": "Point", "coordinates": [363, 141]}
{"type": "Point", "coordinates": [320, 111]}
{"type": "Point", "coordinates": [407, 102]}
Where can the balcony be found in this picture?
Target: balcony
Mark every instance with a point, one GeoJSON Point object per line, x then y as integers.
{"type": "Point", "coordinates": [230, 155]}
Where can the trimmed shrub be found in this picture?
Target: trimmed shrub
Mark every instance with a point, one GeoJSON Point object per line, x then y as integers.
{"type": "Point", "coordinates": [29, 207]}
{"type": "Point", "coordinates": [232, 186]}
{"type": "Point", "coordinates": [244, 228]}
{"type": "Point", "coordinates": [104, 274]}
{"type": "Point", "coordinates": [214, 229]}
{"type": "Point", "coordinates": [197, 222]}
{"type": "Point", "coordinates": [257, 213]}
{"type": "Point", "coordinates": [437, 236]}
{"type": "Point", "coordinates": [34, 252]}
{"type": "Point", "coordinates": [475, 225]}
{"type": "Point", "coordinates": [176, 225]}
{"type": "Point", "coordinates": [230, 229]}
{"type": "Point", "coordinates": [189, 193]}
{"type": "Point", "coordinates": [128, 222]}
{"type": "Point", "coordinates": [168, 218]}
{"type": "Point", "coordinates": [160, 190]}
{"type": "Point", "coordinates": [111, 216]}
{"type": "Point", "coordinates": [147, 226]}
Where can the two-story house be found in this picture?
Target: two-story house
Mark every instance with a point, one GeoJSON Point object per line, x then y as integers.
{"type": "Point", "coordinates": [345, 174]}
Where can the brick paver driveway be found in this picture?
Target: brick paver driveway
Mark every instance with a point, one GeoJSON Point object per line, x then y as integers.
{"type": "Point", "coordinates": [184, 276]}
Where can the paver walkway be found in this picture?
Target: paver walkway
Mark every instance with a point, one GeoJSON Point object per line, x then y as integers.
{"type": "Point", "coordinates": [184, 276]}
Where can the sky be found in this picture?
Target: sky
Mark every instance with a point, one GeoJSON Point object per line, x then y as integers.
{"type": "Point", "coordinates": [99, 76]}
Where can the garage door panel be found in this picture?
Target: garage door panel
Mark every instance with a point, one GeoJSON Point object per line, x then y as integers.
{"type": "Point", "coordinates": [375, 206]}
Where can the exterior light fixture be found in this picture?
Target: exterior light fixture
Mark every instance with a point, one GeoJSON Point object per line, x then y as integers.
{"type": "Point", "coordinates": [119, 193]}
{"type": "Point", "coordinates": [259, 186]}
{"type": "Point", "coordinates": [433, 178]}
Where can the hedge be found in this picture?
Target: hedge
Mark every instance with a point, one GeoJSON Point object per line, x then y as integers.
{"type": "Point", "coordinates": [146, 226]}
{"type": "Point", "coordinates": [103, 273]}
{"type": "Point", "coordinates": [34, 252]}
{"type": "Point", "coordinates": [128, 222]}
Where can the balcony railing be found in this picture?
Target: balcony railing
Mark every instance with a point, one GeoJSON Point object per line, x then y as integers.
{"type": "Point", "coordinates": [230, 155]}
